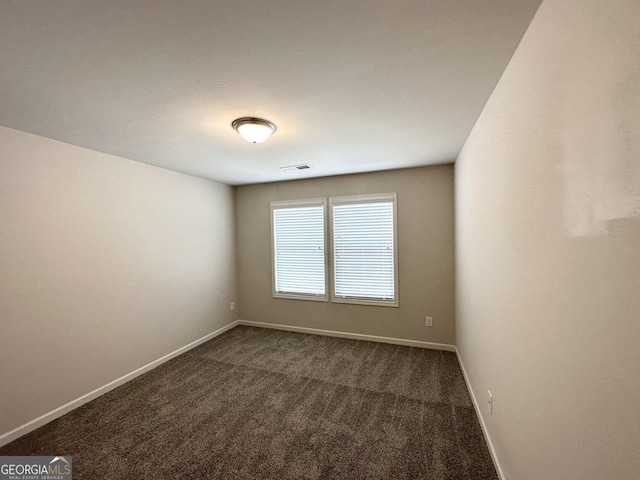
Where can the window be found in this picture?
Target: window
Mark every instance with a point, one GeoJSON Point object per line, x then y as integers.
{"type": "Point", "coordinates": [363, 261]}
{"type": "Point", "coordinates": [364, 256]}
{"type": "Point", "coordinates": [298, 249]}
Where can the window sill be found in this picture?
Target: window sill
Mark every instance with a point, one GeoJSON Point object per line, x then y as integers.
{"type": "Point", "coordinates": [293, 296]}
{"type": "Point", "coordinates": [367, 301]}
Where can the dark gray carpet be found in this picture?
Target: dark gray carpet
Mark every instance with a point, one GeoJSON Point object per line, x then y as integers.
{"type": "Point", "coordinates": [266, 404]}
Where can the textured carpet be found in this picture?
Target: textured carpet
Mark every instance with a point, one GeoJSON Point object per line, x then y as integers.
{"type": "Point", "coordinates": [266, 404]}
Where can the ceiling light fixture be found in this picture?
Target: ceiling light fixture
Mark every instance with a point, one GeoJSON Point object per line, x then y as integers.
{"type": "Point", "coordinates": [253, 130]}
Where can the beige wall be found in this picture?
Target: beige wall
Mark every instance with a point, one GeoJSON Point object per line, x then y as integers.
{"type": "Point", "coordinates": [107, 265]}
{"type": "Point", "coordinates": [548, 247]}
{"type": "Point", "coordinates": [425, 238]}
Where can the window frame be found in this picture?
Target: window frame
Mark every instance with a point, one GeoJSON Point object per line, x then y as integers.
{"type": "Point", "coordinates": [281, 204]}
{"type": "Point", "coordinates": [359, 199]}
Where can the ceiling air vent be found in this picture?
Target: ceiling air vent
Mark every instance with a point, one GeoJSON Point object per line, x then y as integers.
{"type": "Point", "coordinates": [291, 168]}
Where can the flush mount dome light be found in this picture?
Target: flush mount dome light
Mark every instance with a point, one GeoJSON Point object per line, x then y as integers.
{"type": "Point", "coordinates": [253, 130]}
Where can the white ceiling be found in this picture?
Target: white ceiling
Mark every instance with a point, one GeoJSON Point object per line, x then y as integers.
{"type": "Point", "coordinates": [352, 85]}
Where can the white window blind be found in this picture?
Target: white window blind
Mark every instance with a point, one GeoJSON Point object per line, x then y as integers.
{"type": "Point", "coordinates": [299, 249]}
{"type": "Point", "coordinates": [364, 253]}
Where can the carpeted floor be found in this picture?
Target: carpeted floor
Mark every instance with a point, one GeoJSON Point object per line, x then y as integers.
{"type": "Point", "coordinates": [266, 404]}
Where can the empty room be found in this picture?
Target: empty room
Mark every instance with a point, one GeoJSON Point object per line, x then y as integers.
{"type": "Point", "coordinates": [320, 240]}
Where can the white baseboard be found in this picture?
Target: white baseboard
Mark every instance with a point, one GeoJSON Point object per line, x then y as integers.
{"type": "Point", "coordinates": [58, 412]}
{"type": "Point", "coordinates": [354, 336]}
{"type": "Point", "coordinates": [485, 432]}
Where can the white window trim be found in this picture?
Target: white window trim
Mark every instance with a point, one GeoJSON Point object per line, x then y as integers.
{"type": "Point", "coordinates": [300, 203]}
{"type": "Point", "coordinates": [364, 199]}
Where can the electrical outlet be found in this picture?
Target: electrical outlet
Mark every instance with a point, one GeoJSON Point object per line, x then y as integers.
{"type": "Point", "coordinates": [232, 306]}
{"type": "Point", "coordinates": [428, 322]}
{"type": "Point", "coordinates": [490, 401]}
